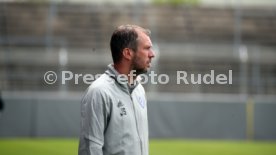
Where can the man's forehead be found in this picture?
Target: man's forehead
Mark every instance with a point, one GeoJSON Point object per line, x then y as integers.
{"type": "Point", "coordinates": [143, 36]}
{"type": "Point", "coordinates": [145, 41]}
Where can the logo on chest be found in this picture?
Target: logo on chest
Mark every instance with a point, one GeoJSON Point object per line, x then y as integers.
{"type": "Point", "coordinates": [141, 101]}
{"type": "Point", "coordinates": [120, 105]}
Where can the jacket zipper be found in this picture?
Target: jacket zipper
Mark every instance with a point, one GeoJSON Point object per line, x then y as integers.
{"type": "Point", "coordinates": [136, 123]}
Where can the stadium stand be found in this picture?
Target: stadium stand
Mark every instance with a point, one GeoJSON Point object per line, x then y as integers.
{"type": "Point", "coordinates": [193, 39]}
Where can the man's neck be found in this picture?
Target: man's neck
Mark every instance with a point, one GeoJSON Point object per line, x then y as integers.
{"type": "Point", "coordinates": [124, 69]}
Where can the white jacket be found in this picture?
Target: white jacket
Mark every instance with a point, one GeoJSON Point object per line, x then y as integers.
{"type": "Point", "coordinates": [113, 118]}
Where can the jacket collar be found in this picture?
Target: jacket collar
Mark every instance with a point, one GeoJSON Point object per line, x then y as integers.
{"type": "Point", "coordinates": [121, 80]}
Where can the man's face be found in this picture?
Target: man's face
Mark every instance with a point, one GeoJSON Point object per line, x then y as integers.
{"type": "Point", "coordinates": [141, 61]}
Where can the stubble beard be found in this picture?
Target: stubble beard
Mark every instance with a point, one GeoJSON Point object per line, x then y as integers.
{"type": "Point", "coordinates": [135, 66]}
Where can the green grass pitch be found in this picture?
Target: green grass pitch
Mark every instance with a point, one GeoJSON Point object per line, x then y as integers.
{"type": "Point", "coordinates": [53, 146]}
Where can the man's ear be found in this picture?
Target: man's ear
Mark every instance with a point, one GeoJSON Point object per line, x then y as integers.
{"type": "Point", "coordinates": [128, 53]}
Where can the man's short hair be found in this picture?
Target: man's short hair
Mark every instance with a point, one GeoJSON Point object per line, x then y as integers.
{"type": "Point", "coordinates": [124, 36]}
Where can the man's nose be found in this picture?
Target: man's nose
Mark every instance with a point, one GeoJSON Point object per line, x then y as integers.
{"type": "Point", "coordinates": [151, 54]}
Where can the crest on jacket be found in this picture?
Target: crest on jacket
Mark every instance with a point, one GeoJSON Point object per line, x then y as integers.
{"type": "Point", "coordinates": [142, 102]}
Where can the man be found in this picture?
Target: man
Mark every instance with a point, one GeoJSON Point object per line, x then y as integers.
{"type": "Point", "coordinates": [114, 108]}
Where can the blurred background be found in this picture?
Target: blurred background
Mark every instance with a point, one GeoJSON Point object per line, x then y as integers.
{"type": "Point", "coordinates": [196, 36]}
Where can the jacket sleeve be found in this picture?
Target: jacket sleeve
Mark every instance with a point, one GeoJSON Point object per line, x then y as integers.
{"type": "Point", "coordinates": [94, 116]}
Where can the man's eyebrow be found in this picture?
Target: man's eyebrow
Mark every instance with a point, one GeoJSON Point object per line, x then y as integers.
{"type": "Point", "coordinates": [148, 46]}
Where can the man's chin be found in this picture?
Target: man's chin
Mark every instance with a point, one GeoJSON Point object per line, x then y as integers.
{"type": "Point", "coordinates": [142, 71]}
